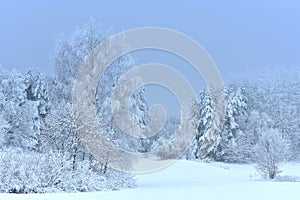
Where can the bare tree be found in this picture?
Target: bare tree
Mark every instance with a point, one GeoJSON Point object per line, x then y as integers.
{"type": "Point", "coordinates": [271, 150]}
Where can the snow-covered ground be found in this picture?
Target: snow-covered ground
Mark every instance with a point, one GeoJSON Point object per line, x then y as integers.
{"type": "Point", "coordinates": [192, 180]}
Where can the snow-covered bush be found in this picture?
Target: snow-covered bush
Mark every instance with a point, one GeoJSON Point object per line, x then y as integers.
{"type": "Point", "coordinates": [116, 180]}
{"type": "Point", "coordinates": [287, 178]}
{"type": "Point", "coordinates": [40, 173]}
{"type": "Point", "coordinates": [31, 172]}
{"type": "Point", "coordinates": [271, 150]}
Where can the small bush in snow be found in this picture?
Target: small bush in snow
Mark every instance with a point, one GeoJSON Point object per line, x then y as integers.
{"type": "Point", "coordinates": [270, 151]}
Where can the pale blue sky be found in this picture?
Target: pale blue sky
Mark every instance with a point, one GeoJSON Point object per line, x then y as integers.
{"type": "Point", "coordinates": [239, 35]}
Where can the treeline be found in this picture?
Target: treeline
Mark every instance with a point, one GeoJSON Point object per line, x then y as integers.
{"type": "Point", "coordinates": [261, 126]}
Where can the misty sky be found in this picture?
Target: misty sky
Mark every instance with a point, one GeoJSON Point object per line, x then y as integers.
{"type": "Point", "coordinates": [239, 35]}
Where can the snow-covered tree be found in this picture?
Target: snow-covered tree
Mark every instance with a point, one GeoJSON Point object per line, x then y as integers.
{"type": "Point", "coordinates": [71, 53]}
{"type": "Point", "coordinates": [232, 146]}
{"type": "Point", "coordinates": [37, 91]}
{"type": "Point", "coordinates": [4, 124]}
{"type": "Point", "coordinates": [60, 134]}
{"type": "Point", "coordinates": [271, 150]}
{"type": "Point", "coordinates": [274, 104]}
{"type": "Point", "coordinates": [164, 138]}
{"type": "Point", "coordinates": [20, 116]}
{"type": "Point", "coordinates": [205, 118]}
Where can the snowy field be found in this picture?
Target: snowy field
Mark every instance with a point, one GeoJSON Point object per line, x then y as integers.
{"type": "Point", "coordinates": [192, 180]}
